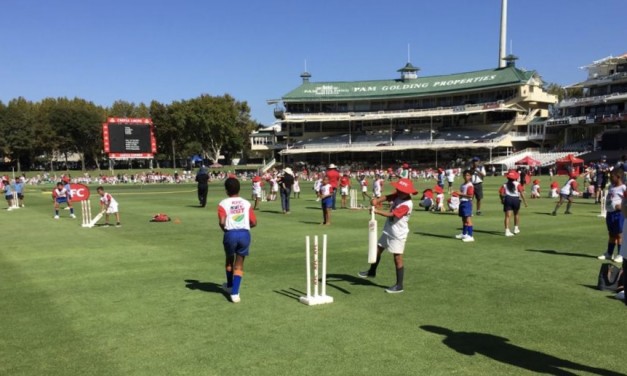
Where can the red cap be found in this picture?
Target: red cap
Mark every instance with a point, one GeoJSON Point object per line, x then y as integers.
{"type": "Point", "coordinates": [405, 185]}
{"type": "Point", "coordinates": [513, 174]}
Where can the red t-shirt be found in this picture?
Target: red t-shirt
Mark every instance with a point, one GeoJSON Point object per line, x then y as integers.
{"type": "Point", "coordinates": [334, 177]}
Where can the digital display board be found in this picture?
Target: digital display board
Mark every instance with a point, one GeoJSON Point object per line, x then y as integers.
{"type": "Point", "coordinates": [126, 138]}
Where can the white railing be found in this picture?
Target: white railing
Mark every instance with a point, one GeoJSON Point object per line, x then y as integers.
{"type": "Point", "coordinates": [268, 165]}
{"type": "Point", "coordinates": [376, 115]}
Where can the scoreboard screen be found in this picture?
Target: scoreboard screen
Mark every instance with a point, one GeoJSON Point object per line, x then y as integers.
{"type": "Point", "coordinates": [129, 138]}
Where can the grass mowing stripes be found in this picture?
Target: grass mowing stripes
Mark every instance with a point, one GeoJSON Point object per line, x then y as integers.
{"type": "Point", "coordinates": [145, 299]}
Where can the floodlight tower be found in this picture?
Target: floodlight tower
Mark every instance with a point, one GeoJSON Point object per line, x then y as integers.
{"type": "Point", "coordinates": [503, 39]}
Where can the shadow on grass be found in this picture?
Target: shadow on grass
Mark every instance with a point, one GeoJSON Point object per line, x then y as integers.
{"type": "Point", "coordinates": [353, 280]}
{"type": "Point", "coordinates": [331, 278]}
{"type": "Point", "coordinates": [193, 284]}
{"type": "Point", "coordinates": [558, 253]}
{"type": "Point", "coordinates": [271, 211]}
{"type": "Point", "coordinates": [195, 206]}
{"type": "Point", "coordinates": [543, 213]}
{"type": "Point", "coordinates": [311, 223]}
{"type": "Point", "coordinates": [498, 233]}
{"type": "Point", "coordinates": [436, 235]}
{"type": "Point", "coordinates": [291, 293]}
{"type": "Point", "coordinates": [499, 349]}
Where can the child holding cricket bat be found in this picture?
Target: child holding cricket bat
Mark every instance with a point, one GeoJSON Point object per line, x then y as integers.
{"type": "Point", "coordinates": [108, 205]}
{"type": "Point", "coordinates": [395, 230]}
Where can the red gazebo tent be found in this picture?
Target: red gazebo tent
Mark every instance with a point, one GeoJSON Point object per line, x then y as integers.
{"type": "Point", "coordinates": [528, 161]}
{"type": "Point", "coordinates": [569, 163]}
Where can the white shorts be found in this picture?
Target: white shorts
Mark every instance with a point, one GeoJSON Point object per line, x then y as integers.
{"type": "Point", "coordinates": [364, 189]}
{"type": "Point", "coordinates": [392, 245]}
{"type": "Point", "coordinates": [112, 209]}
{"type": "Point", "coordinates": [257, 192]}
{"type": "Point", "coordinates": [344, 191]}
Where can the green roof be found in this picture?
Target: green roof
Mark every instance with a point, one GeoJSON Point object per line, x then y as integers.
{"type": "Point", "coordinates": [417, 87]}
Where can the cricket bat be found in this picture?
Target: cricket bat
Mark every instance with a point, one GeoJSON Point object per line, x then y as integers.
{"type": "Point", "coordinates": [96, 219]}
{"type": "Point", "coordinates": [372, 238]}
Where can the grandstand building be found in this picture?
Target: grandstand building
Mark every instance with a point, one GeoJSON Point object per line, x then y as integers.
{"type": "Point", "coordinates": [597, 119]}
{"type": "Point", "coordinates": [409, 118]}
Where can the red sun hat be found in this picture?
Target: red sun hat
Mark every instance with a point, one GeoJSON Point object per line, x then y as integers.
{"type": "Point", "coordinates": [405, 185]}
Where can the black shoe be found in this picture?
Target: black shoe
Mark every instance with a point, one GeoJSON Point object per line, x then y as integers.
{"type": "Point", "coordinates": [366, 274]}
{"type": "Point", "coordinates": [394, 289]}
{"type": "Point", "coordinates": [567, 212]}
{"type": "Point", "coordinates": [553, 213]}
{"type": "Point", "coordinates": [478, 212]}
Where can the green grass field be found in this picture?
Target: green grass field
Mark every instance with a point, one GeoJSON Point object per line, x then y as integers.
{"type": "Point", "coordinates": [145, 299]}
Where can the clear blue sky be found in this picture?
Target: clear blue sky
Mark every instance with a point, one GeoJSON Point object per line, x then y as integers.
{"type": "Point", "coordinates": [140, 50]}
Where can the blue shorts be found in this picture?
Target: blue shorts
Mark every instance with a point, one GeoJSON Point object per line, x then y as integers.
{"type": "Point", "coordinates": [614, 221]}
{"type": "Point", "coordinates": [465, 209]}
{"type": "Point", "coordinates": [327, 203]}
{"type": "Point", "coordinates": [511, 203]}
{"type": "Point", "coordinates": [61, 200]}
{"type": "Point", "coordinates": [236, 242]}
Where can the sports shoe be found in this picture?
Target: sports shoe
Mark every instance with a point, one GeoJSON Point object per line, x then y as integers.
{"type": "Point", "coordinates": [468, 239]}
{"type": "Point", "coordinates": [508, 233]}
{"type": "Point", "coordinates": [394, 289]}
{"type": "Point", "coordinates": [226, 288]}
{"type": "Point", "coordinates": [553, 213]}
{"type": "Point", "coordinates": [235, 298]}
{"type": "Point", "coordinates": [56, 217]}
{"type": "Point", "coordinates": [618, 259]}
{"type": "Point", "coordinates": [567, 212]}
{"type": "Point", "coordinates": [605, 256]}
{"type": "Point", "coordinates": [478, 212]}
{"type": "Point", "coordinates": [516, 230]}
{"type": "Point", "coordinates": [105, 225]}
{"type": "Point", "coordinates": [620, 295]}
{"type": "Point", "coordinates": [118, 224]}
{"type": "Point", "coordinates": [72, 216]}
{"type": "Point", "coordinates": [460, 236]}
{"type": "Point", "coordinates": [366, 274]}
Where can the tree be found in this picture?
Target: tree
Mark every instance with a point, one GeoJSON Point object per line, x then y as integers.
{"type": "Point", "coordinates": [82, 122]}
{"type": "Point", "coordinates": [563, 92]}
{"type": "Point", "coordinates": [126, 109]}
{"type": "Point", "coordinates": [169, 134]}
{"type": "Point", "coordinates": [218, 124]}
{"type": "Point", "coordinates": [18, 131]}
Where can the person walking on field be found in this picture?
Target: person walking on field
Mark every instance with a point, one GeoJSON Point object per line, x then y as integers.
{"type": "Point", "coordinates": [511, 194]}
{"type": "Point", "coordinates": [108, 205]}
{"type": "Point", "coordinates": [395, 231]}
{"type": "Point", "coordinates": [235, 217]}
{"type": "Point", "coordinates": [478, 173]}
{"type": "Point", "coordinates": [256, 190]}
{"type": "Point", "coordinates": [202, 178]}
{"type": "Point", "coordinates": [614, 218]}
{"type": "Point", "coordinates": [285, 182]}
